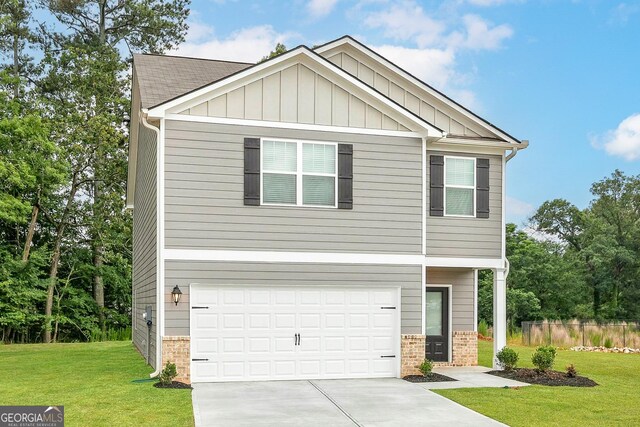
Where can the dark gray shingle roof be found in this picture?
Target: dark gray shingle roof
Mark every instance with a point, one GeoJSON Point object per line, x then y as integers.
{"type": "Point", "coordinates": [162, 78]}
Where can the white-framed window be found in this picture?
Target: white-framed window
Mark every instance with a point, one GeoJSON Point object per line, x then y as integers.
{"type": "Point", "coordinates": [459, 186]}
{"type": "Point", "coordinates": [298, 173]}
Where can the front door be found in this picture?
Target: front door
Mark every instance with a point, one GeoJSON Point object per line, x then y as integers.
{"type": "Point", "coordinates": [437, 328]}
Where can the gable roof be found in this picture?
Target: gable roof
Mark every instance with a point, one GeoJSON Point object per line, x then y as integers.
{"type": "Point", "coordinates": [162, 78]}
{"type": "Point", "coordinates": [348, 40]}
{"type": "Point", "coordinates": [300, 53]}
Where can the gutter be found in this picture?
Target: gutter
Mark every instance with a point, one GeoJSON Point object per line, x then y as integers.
{"type": "Point", "coordinates": [514, 150]}
{"type": "Point", "coordinates": [159, 293]}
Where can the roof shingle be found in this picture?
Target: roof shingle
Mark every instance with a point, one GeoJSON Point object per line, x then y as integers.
{"type": "Point", "coordinates": [162, 78]}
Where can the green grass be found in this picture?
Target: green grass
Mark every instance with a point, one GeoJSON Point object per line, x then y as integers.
{"type": "Point", "coordinates": [615, 402]}
{"type": "Point", "coordinates": [93, 382]}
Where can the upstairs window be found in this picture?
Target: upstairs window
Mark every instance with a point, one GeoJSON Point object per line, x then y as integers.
{"type": "Point", "coordinates": [459, 186]}
{"type": "Point", "coordinates": [298, 173]}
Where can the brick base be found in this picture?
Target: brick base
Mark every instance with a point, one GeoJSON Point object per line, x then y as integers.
{"type": "Point", "coordinates": [177, 350]}
{"type": "Point", "coordinates": [412, 354]}
{"type": "Point", "coordinates": [465, 349]}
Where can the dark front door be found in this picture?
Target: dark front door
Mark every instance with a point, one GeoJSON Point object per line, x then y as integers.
{"type": "Point", "coordinates": [437, 331]}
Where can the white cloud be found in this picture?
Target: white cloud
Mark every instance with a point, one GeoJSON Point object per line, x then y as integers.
{"type": "Point", "coordinates": [432, 65]}
{"type": "Point", "coordinates": [320, 8]}
{"type": "Point", "coordinates": [407, 21]}
{"type": "Point", "coordinates": [480, 35]}
{"type": "Point", "coordinates": [622, 12]}
{"type": "Point", "coordinates": [486, 3]}
{"type": "Point", "coordinates": [247, 44]}
{"type": "Point", "coordinates": [518, 208]}
{"type": "Point", "coordinates": [430, 44]}
{"type": "Point", "coordinates": [624, 141]}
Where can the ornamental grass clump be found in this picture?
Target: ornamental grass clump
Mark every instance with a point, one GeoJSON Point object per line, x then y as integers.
{"type": "Point", "coordinates": [544, 357]}
{"type": "Point", "coordinates": [508, 358]}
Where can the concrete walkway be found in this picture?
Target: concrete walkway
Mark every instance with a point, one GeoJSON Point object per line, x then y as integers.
{"type": "Point", "coordinates": [366, 402]}
{"type": "Point", "coordinates": [470, 377]}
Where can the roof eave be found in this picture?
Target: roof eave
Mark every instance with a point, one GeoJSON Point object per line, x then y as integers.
{"type": "Point", "coordinates": [436, 93]}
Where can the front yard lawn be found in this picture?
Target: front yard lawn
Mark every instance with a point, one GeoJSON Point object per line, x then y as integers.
{"type": "Point", "coordinates": [614, 402]}
{"type": "Point", "coordinates": [93, 382]}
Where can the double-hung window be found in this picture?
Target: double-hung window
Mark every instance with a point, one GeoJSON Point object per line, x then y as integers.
{"type": "Point", "coordinates": [299, 173]}
{"type": "Point", "coordinates": [459, 186]}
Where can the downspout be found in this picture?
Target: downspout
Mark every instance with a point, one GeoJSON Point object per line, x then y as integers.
{"type": "Point", "coordinates": [514, 150]}
{"type": "Point", "coordinates": [159, 292]}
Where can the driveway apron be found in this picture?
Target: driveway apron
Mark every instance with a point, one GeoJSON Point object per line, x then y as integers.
{"type": "Point", "coordinates": [328, 403]}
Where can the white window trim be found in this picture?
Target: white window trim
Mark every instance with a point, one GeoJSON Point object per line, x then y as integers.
{"type": "Point", "coordinates": [468, 187]}
{"type": "Point", "coordinates": [299, 174]}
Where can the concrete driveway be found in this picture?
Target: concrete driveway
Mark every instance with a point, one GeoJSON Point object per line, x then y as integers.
{"type": "Point", "coordinates": [328, 403]}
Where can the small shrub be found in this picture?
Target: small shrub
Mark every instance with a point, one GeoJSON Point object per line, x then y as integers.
{"type": "Point", "coordinates": [168, 374]}
{"type": "Point", "coordinates": [596, 339]}
{"type": "Point", "coordinates": [483, 328]}
{"type": "Point", "coordinates": [544, 357]}
{"type": "Point", "coordinates": [571, 371]}
{"type": "Point", "coordinates": [608, 343]}
{"type": "Point", "coordinates": [425, 367]}
{"type": "Point", "coordinates": [508, 358]}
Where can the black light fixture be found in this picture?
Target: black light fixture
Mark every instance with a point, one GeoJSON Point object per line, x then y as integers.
{"type": "Point", "coordinates": [176, 294]}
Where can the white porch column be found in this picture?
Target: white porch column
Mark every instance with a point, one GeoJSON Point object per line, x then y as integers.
{"type": "Point", "coordinates": [499, 312]}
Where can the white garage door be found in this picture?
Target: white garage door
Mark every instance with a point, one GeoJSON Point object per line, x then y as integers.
{"type": "Point", "coordinates": [246, 334]}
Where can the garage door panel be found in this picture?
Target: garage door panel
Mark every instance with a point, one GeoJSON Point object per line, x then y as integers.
{"type": "Point", "coordinates": [259, 321]}
{"type": "Point", "coordinates": [250, 333]}
{"type": "Point", "coordinates": [335, 320]}
{"type": "Point", "coordinates": [259, 345]}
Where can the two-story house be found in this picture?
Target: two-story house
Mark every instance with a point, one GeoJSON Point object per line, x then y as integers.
{"type": "Point", "coordinates": [322, 214]}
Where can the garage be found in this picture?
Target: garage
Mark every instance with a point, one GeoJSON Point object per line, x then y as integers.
{"type": "Point", "coordinates": [286, 333]}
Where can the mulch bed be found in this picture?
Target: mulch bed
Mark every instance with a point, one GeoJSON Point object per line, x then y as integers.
{"type": "Point", "coordinates": [552, 378]}
{"type": "Point", "coordinates": [174, 384]}
{"type": "Point", "coordinates": [431, 378]}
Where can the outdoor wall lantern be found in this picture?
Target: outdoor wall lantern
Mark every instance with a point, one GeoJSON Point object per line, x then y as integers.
{"type": "Point", "coordinates": [176, 294]}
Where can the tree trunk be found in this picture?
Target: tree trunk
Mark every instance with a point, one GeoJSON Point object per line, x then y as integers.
{"type": "Point", "coordinates": [16, 62]}
{"type": "Point", "coordinates": [30, 232]}
{"type": "Point", "coordinates": [98, 286]}
{"type": "Point", "coordinates": [53, 277]}
{"type": "Point", "coordinates": [55, 258]}
{"type": "Point", "coordinates": [98, 255]}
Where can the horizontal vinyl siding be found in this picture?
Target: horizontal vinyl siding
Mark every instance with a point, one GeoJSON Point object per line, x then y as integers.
{"type": "Point", "coordinates": [462, 281]}
{"type": "Point", "coordinates": [204, 205]}
{"type": "Point", "coordinates": [469, 237]}
{"type": "Point", "coordinates": [183, 273]}
{"type": "Point", "coordinates": [145, 243]}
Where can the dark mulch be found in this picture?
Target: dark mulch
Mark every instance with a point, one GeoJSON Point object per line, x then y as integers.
{"type": "Point", "coordinates": [431, 378]}
{"type": "Point", "coordinates": [174, 384]}
{"type": "Point", "coordinates": [552, 378]}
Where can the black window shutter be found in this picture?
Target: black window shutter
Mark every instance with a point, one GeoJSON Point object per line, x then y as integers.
{"type": "Point", "coordinates": [345, 176]}
{"type": "Point", "coordinates": [482, 188]}
{"type": "Point", "coordinates": [252, 171]}
{"type": "Point", "coordinates": [436, 191]}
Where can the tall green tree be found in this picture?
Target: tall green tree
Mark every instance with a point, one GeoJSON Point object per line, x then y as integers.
{"type": "Point", "coordinates": [103, 28]}
{"type": "Point", "coordinates": [605, 239]}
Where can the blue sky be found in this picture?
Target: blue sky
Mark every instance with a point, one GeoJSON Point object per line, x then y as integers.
{"type": "Point", "coordinates": [563, 74]}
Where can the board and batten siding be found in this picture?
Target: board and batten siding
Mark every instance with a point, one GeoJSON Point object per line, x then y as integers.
{"type": "Point", "coordinates": [145, 244]}
{"type": "Point", "coordinates": [296, 94]}
{"type": "Point", "coordinates": [462, 281]}
{"type": "Point", "coordinates": [204, 195]}
{"type": "Point", "coordinates": [405, 93]}
{"type": "Point", "coordinates": [468, 237]}
{"type": "Point", "coordinates": [183, 273]}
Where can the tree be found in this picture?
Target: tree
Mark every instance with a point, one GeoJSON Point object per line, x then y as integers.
{"type": "Point", "coordinates": [98, 28]}
{"type": "Point", "coordinates": [604, 240]}
{"type": "Point", "coordinates": [278, 50]}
